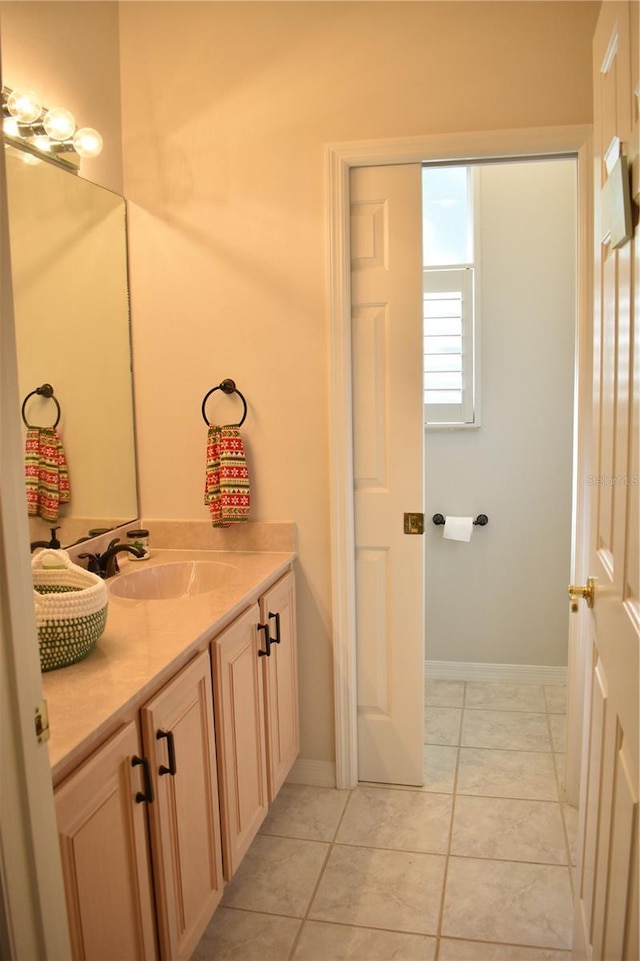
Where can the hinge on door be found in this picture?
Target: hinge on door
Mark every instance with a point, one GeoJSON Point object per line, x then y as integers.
{"type": "Point", "coordinates": [41, 722]}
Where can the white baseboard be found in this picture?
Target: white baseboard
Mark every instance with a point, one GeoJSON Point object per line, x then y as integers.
{"type": "Point", "coordinates": [507, 673]}
{"type": "Point", "coordinates": [313, 773]}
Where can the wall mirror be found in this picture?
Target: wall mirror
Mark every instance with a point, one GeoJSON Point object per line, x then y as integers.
{"type": "Point", "coordinates": [70, 283]}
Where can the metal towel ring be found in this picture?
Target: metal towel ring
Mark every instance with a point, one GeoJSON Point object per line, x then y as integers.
{"type": "Point", "coordinates": [45, 391]}
{"type": "Point", "coordinates": [227, 386]}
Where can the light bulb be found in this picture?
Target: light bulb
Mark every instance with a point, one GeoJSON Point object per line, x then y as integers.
{"type": "Point", "coordinates": [59, 123]}
{"type": "Point", "coordinates": [24, 106]}
{"type": "Point", "coordinates": [10, 127]}
{"type": "Point", "coordinates": [87, 142]}
{"type": "Point", "coordinates": [42, 143]}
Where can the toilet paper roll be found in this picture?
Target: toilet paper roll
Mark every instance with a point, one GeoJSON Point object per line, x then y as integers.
{"type": "Point", "coordinates": [458, 528]}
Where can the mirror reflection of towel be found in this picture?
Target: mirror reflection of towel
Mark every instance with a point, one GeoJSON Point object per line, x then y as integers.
{"type": "Point", "coordinates": [226, 490]}
{"type": "Point", "coordinates": [46, 473]}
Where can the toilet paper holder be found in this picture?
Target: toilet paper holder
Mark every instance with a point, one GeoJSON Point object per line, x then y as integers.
{"type": "Point", "coordinates": [481, 520]}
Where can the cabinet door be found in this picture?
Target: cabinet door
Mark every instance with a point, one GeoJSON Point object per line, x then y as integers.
{"type": "Point", "coordinates": [105, 857]}
{"type": "Point", "coordinates": [239, 712]}
{"type": "Point", "coordinates": [280, 670]}
{"type": "Point", "coordinates": [178, 734]}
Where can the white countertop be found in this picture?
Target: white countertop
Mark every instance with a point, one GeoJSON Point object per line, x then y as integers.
{"type": "Point", "coordinates": [143, 645]}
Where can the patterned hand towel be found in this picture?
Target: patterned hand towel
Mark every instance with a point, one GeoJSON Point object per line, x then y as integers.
{"type": "Point", "coordinates": [46, 473]}
{"type": "Point", "coordinates": [212, 476]}
{"type": "Point", "coordinates": [226, 491]}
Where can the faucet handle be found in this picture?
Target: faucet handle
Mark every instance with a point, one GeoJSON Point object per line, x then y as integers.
{"type": "Point", "coordinates": [93, 563]}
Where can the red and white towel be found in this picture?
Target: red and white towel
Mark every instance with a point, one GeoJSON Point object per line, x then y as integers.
{"type": "Point", "coordinates": [226, 489]}
{"type": "Point", "coordinates": [46, 473]}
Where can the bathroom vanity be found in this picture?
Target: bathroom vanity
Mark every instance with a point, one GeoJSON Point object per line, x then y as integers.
{"type": "Point", "coordinates": [167, 745]}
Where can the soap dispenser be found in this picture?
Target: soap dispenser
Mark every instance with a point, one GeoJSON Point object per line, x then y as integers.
{"type": "Point", "coordinates": [53, 542]}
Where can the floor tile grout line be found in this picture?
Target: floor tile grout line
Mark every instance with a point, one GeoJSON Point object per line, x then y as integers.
{"type": "Point", "coordinates": [238, 909]}
{"type": "Point", "coordinates": [409, 789]}
{"type": "Point", "coordinates": [407, 932]}
{"type": "Point", "coordinates": [455, 796]}
{"type": "Point", "coordinates": [512, 944]}
{"type": "Point", "coordinates": [484, 747]}
{"type": "Point", "coordinates": [495, 860]}
{"type": "Point", "coordinates": [367, 927]}
{"type": "Point", "coordinates": [561, 795]}
{"type": "Point", "coordinates": [492, 709]}
{"type": "Point", "coordinates": [450, 838]}
{"type": "Point", "coordinates": [564, 805]}
{"type": "Point", "coordinates": [439, 854]}
{"type": "Point", "coordinates": [269, 914]}
{"type": "Point", "coordinates": [330, 848]}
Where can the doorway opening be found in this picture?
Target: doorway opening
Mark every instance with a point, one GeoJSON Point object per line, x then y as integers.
{"type": "Point", "coordinates": [499, 415]}
{"type": "Point", "coordinates": [341, 158]}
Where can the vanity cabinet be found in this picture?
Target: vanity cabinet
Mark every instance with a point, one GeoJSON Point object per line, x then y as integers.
{"type": "Point", "coordinates": [154, 821]}
{"type": "Point", "coordinates": [256, 703]}
{"type": "Point", "coordinates": [179, 740]}
{"type": "Point", "coordinates": [102, 811]}
{"type": "Point", "coordinates": [105, 854]}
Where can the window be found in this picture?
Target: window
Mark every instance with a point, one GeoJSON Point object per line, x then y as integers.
{"type": "Point", "coordinates": [449, 285]}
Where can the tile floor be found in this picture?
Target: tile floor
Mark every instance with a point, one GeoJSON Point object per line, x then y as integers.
{"type": "Point", "coordinates": [474, 866]}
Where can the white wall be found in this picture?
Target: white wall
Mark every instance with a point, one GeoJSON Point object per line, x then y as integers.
{"type": "Point", "coordinates": [502, 597]}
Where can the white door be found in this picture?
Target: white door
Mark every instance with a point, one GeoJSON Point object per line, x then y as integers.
{"type": "Point", "coordinates": [607, 872]}
{"type": "Point", "coordinates": [388, 431]}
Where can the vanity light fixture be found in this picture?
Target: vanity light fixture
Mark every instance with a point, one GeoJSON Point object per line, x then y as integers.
{"type": "Point", "coordinates": [47, 132]}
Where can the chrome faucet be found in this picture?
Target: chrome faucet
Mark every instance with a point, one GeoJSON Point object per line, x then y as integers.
{"type": "Point", "coordinates": [106, 564]}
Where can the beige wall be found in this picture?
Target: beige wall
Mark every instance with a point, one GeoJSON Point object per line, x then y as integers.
{"type": "Point", "coordinates": [226, 109]}
{"type": "Point", "coordinates": [68, 54]}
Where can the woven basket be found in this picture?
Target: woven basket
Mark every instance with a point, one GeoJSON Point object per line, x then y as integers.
{"type": "Point", "coordinates": [71, 608]}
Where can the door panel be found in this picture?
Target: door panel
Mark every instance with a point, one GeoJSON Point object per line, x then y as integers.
{"type": "Point", "coordinates": [242, 752]}
{"type": "Point", "coordinates": [105, 855]}
{"type": "Point", "coordinates": [606, 882]}
{"type": "Point", "coordinates": [280, 676]}
{"type": "Point", "coordinates": [386, 245]}
{"type": "Point", "coordinates": [179, 737]}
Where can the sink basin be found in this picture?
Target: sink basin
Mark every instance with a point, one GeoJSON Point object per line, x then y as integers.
{"type": "Point", "coordinates": [164, 582]}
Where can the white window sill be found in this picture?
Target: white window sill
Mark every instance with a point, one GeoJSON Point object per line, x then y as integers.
{"type": "Point", "coordinates": [451, 427]}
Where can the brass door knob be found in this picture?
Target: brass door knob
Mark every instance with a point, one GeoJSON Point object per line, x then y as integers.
{"type": "Point", "coordinates": [588, 592]}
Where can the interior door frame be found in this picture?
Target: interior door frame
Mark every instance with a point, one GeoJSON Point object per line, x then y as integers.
{"type": "Point", "coordinates": [33, 914]}
{"type": "Point", "coordinates": [475, 145]}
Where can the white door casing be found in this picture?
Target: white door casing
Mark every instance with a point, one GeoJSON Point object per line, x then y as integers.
{"type": "Point", "coordinates": [388, 430]}
{"type": "Point", "coordinates": [33, 921]}
{"type": "Point", "coordinates": [340, 158]}
{"type": "Point", "coordinates": [606, 890]}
